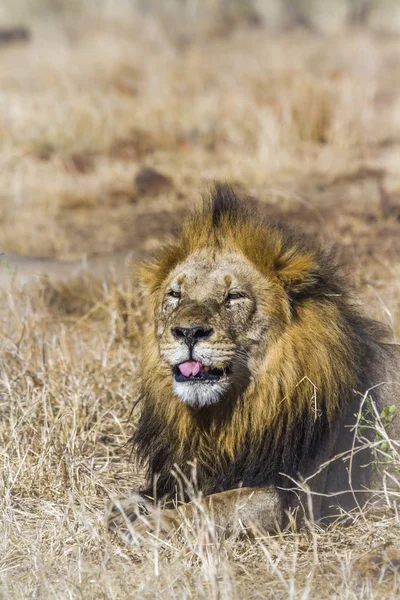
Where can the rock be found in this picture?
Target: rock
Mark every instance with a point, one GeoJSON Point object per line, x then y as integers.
{"type": "Point", "coordinates": [79, 162]}
{"type": "Point", "coordinates": [150, 182]}
{"type": "Point", "coordinates": [8, 35]}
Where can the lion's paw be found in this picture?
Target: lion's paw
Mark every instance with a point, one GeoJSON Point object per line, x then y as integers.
{"type": "Point", "coordinates": [134, 518]}
{"type": "Point", "coordinates": [122, 512]}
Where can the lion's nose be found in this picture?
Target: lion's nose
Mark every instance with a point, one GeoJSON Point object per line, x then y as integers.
{"type": "Point", "coordinates": [191, 334]}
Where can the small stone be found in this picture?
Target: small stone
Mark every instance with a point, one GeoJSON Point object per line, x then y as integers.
{"type": "Point", "coordinates": [150, 182]}
{"type": "Point", "coordinates": [80, 162]}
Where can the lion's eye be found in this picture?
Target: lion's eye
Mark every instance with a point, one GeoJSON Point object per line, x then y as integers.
{"type": "Point", "coordinates": [174, 294]}
{"type": "Point", "coordinates": [235, 295]}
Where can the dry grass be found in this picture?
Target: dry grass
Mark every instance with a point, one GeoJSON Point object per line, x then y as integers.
{"type": "Point", "coordinates": [308, 125]}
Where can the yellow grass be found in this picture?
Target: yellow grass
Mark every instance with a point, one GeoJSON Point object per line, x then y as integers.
{"type": "Point", "coordinates": [309, 126]}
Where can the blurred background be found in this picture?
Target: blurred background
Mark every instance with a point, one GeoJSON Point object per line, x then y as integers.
{"type": "Point", "coordinates": [116, 114]}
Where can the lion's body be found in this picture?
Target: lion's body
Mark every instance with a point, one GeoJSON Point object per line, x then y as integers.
{"type": "Point", "coordinates": [292, 356]}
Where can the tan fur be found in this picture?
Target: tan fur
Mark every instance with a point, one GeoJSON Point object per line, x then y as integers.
{"type": "Point", "coordinates": [303, 349]}
{"type": "Point", "coordinates": [289, 379]}
{"type": "Point", "coordinates": [254, 509]}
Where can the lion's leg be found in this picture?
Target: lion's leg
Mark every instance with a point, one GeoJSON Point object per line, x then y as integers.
{"type": "Point", "coordinates": [242, 509]}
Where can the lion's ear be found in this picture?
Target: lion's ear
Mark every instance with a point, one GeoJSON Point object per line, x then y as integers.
{"type": "Point", "coordinates": [153, 273]}
{"type": "Point", "coordinates": [148, 273]}
{"type": "Point", "coordinates": [298, 272]}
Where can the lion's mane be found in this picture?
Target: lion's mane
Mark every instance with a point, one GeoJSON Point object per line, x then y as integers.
{"type": "Point", "coordinates": [281, 422]}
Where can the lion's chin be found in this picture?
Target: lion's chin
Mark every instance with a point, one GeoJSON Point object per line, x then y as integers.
{"type": "Point", "coordinates": [200, 394]}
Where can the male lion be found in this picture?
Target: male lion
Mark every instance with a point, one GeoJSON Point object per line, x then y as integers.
{"type": "Point", "coordinates": [255, 367]}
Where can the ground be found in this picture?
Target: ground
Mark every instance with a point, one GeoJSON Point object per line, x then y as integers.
{"type": "Point", "coordinates": [307, 125]}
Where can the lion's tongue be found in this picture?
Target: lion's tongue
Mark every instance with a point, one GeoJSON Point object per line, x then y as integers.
{"type": "Point", "coordinates": [190, 367]}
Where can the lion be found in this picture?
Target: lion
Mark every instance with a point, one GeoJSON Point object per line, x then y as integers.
{"type": "Point", "coordinates": [254, 372]}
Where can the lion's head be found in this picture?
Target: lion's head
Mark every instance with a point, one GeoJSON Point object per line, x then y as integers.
{"type": "Point", "coordinates": [224, 296]}
{"type": "Point", "coordinates": [254, 345]}
{"type": "Point", "coordinates": [211, 328]}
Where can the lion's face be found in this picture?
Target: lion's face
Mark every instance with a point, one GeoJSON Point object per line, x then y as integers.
{"type": "Point", "coordinates": [215, 316]}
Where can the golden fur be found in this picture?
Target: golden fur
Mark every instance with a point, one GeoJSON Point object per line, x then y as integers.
{"type": "Point", "coordinates": [305, 367]}
{"type": "Point", "coordinates": [275, 318]}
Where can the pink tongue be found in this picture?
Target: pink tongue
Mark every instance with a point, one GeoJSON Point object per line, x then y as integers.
{"type": "Point", "coordinates": [190, 367]}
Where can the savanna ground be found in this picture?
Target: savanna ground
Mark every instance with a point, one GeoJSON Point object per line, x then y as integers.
{"type": "Point", "coordinates": [306, 121]}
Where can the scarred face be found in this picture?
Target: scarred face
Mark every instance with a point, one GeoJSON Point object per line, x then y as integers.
{"type": "Point", "coordinates": [210, 325]}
